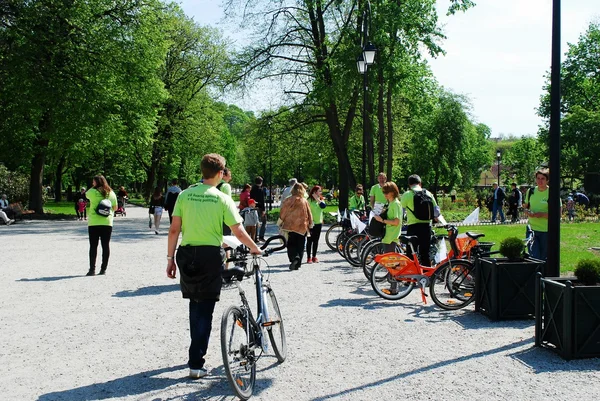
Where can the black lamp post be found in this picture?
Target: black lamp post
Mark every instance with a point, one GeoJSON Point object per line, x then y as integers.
{"type": "Point", "coordinates": [320, 169]}
{"type": "Point", "coordinates": [498, 156]}
{"type": "Point", "coordinates": [365, 59]}
{"type": "Point", "coordinates": [553, 261]}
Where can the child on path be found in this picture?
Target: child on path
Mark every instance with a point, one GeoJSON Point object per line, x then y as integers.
{"type": "Point", "coordinates": [570, 208]}
{"type": "Point", "coordinates": [251, 219]}
{"type": "Point", "coordinates": [81, 204]}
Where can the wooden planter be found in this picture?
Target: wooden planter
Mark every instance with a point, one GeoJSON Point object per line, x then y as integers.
{"type": "Point", "coordinates": [506, 289]}
{"type": "Point", "coordinates": [567, 317]}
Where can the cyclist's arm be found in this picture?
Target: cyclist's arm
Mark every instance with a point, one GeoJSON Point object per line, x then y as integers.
{"type": "Point", "coordinates": [242, 235]}
{"type": "Point", "coordinates": [172, 244]}
{"type": "Point", "coordinates": [372, 201]}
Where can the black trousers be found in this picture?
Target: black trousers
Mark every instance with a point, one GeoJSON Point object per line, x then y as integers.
{"type": "Point", "coordinates": [101, 233]}
{"type": "Point", "coordinates": [312, 242]}
{"type": "Point", "coordinates": [295, 247]}
{"type": "Point", "coordinates": [423, 232]}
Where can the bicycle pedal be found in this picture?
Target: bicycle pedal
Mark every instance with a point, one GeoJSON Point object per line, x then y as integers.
{"type": "Point", "coordinates": [271, 323]}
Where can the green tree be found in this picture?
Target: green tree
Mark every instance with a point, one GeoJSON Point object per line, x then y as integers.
{"type": "Point", "coordinates": [580, 91]}
{"type": "Point", "coordinates": [77, 72]}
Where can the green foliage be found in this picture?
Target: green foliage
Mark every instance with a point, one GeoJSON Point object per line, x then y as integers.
{"type": "Point", "coordinates": [588, 271]}
{"type": "Point", "coordinates": [512, 248]}
{"type": "Point", "coordinates": [580, 106]}
{"type": "Point", "coordinates": [14, 185]}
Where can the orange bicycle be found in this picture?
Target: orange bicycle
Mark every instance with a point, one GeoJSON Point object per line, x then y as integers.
{"type": "Point", "coordinates": [451, 283]}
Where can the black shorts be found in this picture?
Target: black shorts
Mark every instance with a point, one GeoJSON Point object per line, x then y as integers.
{"type": "Point", "coordinates": [201, 269]}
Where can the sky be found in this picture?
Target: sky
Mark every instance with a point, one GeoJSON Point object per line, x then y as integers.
{"type": "Point", "coordinates": [497, 54]}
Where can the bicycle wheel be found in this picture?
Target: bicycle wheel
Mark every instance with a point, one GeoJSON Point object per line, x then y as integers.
{"type": "Point", "coordinates": [352, 249]}
{"type": "Point", "coordinates": [452, 285]}
{"type": "Point", "coordinates": [276, 330]}
{"type": "Point", "coordinates": [386, 286]}
{"type": "Point", "coordinates": [342, 240]}
{"type": "Point", "coordinates": [332, 234]}
{"type": "Point", "coordinates": [238, 357]}
{"type": "Point", "coordinates": [368, 260]}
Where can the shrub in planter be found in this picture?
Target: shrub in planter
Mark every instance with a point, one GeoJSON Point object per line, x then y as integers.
{"type": "Point", "coordinates": [567, 315]}
{"type": "Point", "coordinates": [512, 248]}
{"type": "Point", "coordinates": [588, 271]}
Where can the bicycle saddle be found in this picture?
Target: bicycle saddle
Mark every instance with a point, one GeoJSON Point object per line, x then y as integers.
{"type": "Point", "coordinates": [413, 239]}
{"type": "Point", "coordinates": [234, 272]}
{"type": "Point", "coordinates": [475, 235]}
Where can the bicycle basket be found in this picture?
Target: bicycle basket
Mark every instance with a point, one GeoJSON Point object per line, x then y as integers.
{"type": "Point", "coordinates": [465, 243]}
{"type": "Point", "coordinates": [395, 263]}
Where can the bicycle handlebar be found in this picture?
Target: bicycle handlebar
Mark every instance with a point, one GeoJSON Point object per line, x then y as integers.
{"type": "Point", "coordinates": [268, 241]}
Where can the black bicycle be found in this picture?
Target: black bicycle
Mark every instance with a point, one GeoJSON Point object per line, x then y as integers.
{"type": "Point", "coordinates": [243, 337]}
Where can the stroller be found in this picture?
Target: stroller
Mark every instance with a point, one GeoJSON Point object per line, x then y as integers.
{"type": "Point", "coordinates": [121, 200]}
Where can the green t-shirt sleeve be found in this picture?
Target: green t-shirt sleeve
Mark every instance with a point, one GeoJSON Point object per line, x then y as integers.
{"type": "Point", "coordinates": [231, 216]}
{"type": "Point", "coordinates": [177, 211]}
{"type": "Point", "coordinates": [226, 188]}
{"type": "Point", "coordinates": [113, 199]}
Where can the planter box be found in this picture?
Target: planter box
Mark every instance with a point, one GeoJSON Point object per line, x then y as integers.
{"type": "Point", "coordinates": [567, 317]}
{"type": "Point", "coordinates": [505, 289]}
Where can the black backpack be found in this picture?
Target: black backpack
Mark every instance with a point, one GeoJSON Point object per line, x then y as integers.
{"type": "Point", "coordinates": [423, 205]}
{"type": "Point", "coordinates": [377, 228]}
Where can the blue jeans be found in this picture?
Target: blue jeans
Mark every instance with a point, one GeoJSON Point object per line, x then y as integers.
{"type": "Point", "coordinates": [201, 313]}
{"type": "Point", "coordinates": [497, 208]}
{"type": "Point", "coordinates": [539, 248]}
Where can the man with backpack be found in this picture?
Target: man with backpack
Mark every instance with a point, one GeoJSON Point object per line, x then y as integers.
{"type": "Point", "coordinates": [499, 195]}
{"type": "Point", "coordinates": [421, 208]}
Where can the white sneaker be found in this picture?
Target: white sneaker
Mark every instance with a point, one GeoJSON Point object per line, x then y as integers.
{"type": "Point", "coordinates": [9, 222]}
{"type": "Point", "coordinates": [197, 373]}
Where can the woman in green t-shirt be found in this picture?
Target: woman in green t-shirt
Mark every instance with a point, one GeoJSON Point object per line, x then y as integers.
{"type": "Point", "coordinates": [100, 226]}
{"type": "Point", "coordinates": [317, 205]}
{"type": "Point", "coordinates": [393, 219]}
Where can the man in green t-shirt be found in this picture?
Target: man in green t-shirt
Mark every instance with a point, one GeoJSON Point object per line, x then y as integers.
{"type": "Point", "coordinates": [414, 226]}
{"type": "Point", "coordinates": [199, 215]}
{"type": "Point", "coordinates": [376, 197]}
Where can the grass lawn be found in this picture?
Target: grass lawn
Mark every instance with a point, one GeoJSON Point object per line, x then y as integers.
{"type": "Point", "coordinates": [575, 240]}
{"type": "Point", "coordinates": [63, 207]}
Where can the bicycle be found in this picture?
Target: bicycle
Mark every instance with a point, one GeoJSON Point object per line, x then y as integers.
{"type": "Point", "coordinates": [451, 282]}
{"type": "Point", "coordinates": [244, 337]}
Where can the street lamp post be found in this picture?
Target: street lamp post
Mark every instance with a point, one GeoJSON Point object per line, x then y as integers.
{"type": "Point", "coordinates": [498, 155]}
{"type": "Point", "coordinates": [365, 59]}
{"type": "Point", "coordinates": [320, 183]}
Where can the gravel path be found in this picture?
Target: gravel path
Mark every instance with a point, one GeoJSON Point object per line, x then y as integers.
{"type": "Point", "coordinates": [124, 336]}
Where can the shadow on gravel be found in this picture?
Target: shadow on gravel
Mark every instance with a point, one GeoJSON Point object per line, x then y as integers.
{"type": "Point", "coordinates": [144, 382]}
{"type": "Point", "coordinates": [433, 366]}
{"type": "Point", "coordinates": [152, 290]}
{"type": "Point", "coordinates": [542, 360]}
{"type": "Point", "coordinates": [57, 278]}
{"type": "Point", "coordinates": [474, 320]}
{"type": "Point", "coordinates": [149, 384]}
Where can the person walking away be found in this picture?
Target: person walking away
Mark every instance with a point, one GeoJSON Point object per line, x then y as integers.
{"type": "Point", "coordinates": [258, 195]}
{"type": "Point", "coordinates": [537, 206]}
{"type": "Point", "coordinates": [287, 191]}
{"type": "Point", "coordinates": [499, 196]}
{"type": "Point", "coordinates": [514, 202]}
{"type": "Point", "coordinates": [453, 195]}
{"type": "Point", "coordinates": [224, 187]}
{"type": "Point", "coordinates": [81, 195]}
{"type": "Point", "coordinates": [357, 201]}
{"type": "Point", "coordinates": [103, 203]}
{"type": "Point", "coordinates": [245, 196]}
{"type": "Point", "coordinates": [570, 208]}
{"type": "Point", "coordinates": [251, 219]}
{"type": "Point", "coordinates": [199, 215]}
{"type": "Point", "coordinates": [156, 208]}
{"type": "Point", "coordinates": [421, 208]}
{"type": "Point", "coordinates": [296, 221]}
{"type": "Point", "coordinates": [376, 197]}
{"type": "Point", "coordinates": [317, 205]}
{"type": "Point", "coordinates": [172, 193]}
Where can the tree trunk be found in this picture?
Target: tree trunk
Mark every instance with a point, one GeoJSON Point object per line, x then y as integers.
{"type": "Point", "coordinates": [37, 173]}
{"type": "Point", "coordinates": [380, 120]}
{"type": "Point", "coordinates": [390, 131]}
{"type": "Point", "coordinates": [58, 179]}
{"type": "Point", "coordinates": [346, 174]}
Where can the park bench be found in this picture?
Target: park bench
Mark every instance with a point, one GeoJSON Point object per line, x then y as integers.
{"type": "Point", "coordinates": [19, 211]}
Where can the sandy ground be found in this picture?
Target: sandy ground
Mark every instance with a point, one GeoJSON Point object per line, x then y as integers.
{"type": "Point", "coordinates": [124, 336]}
